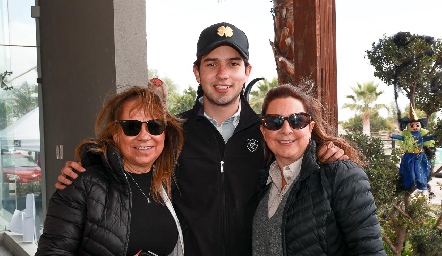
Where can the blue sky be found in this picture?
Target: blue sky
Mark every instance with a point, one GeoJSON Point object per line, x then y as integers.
{"type": "Point", "coordinates": [359, 24]}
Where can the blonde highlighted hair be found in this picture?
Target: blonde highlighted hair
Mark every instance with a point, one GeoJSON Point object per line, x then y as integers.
{"type": "Point", "coordinates": [106, 127]}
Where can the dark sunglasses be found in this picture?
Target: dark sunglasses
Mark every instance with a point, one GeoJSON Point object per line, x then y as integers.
{"type": "Point", "coordinates": [296, 121]}
{"type": "Point", "coordinates": [133, 127]}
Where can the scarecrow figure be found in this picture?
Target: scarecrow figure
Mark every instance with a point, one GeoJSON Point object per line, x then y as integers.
{"type": "Point", "coordinates": [415, 167]}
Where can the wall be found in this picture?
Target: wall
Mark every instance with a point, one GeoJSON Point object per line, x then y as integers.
{"type": "Point", "coordinates": [87, 50]}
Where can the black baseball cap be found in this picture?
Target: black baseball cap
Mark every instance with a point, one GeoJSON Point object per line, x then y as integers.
{"type": "Point", "coordinates": [222, 33]}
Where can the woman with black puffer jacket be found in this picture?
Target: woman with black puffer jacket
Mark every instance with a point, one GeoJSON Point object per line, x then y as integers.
{"type": "Point", "coordinates": [306, 207]}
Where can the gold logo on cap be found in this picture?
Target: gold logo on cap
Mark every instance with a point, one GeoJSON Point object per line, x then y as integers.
{"type": "Point", "coordinates": [225, 31]}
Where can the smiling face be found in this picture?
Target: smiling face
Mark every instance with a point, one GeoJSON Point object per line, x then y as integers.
{"type": "Point", "coordinates": [287, 144]}
{"type": "Point", "coordinates": [140, 151]}
{"type": "Point", "coordinates": [222, 74]}
{"type": "Point", "coordinates": [414, 126]}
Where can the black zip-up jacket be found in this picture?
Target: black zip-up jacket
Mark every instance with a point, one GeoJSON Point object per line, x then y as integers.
{"type": "Point", "coordinates": [329, 211]}
{"type": "Point", "coordinates": [218, 183]}
{"type": "Point", "coordinates": [92, 216]}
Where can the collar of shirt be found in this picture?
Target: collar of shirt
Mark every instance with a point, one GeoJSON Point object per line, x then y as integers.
{"type": "Point", "coordinates": [277, 192]}
{"type": "Point", "coordinates": [227, 128]}
{"type": "Point", "coordinates": [290, 173]}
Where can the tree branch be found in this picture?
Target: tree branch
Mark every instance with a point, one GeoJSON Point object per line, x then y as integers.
{"type": "Point", "coordinates": [393, 220]}
{"type": "Point", "coordinates": [388, 241]}
{"type": "Point", "coordinates": [439, 222]}
{"type": "Point", "coordinates": [401, 211]}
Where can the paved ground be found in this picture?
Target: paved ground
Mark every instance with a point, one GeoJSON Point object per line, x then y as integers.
{"type": "Point", "coordinates": [4, 251]}
{"type": "Point", "coordinates": [435, 188]}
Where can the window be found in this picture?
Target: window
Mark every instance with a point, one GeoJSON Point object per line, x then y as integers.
{"type": "Point", "coordinates": [19, 127]}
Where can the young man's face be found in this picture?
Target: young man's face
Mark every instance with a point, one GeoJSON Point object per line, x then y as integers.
{"type": "Point", "coordinates": [414, 126]}
{"type": "Point", "coordinates": [222, 74]}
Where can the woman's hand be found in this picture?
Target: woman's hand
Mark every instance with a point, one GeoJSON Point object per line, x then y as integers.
{"type": "Point", "coordinates": [68, 171]}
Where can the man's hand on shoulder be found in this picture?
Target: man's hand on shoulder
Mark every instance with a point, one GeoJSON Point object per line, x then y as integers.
{"type": "Point", "coordinates": [328, 152]}
{"type": "Point", "coordinates": [68, 171]}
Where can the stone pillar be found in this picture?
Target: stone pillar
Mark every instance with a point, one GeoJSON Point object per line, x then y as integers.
{"type": "Point", "coordinates": [87, 50]}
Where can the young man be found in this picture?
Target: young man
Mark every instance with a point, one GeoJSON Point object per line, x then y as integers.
{"type": "Point", "coordinates": [217, 172]}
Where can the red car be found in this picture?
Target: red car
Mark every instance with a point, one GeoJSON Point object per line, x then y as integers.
{"type": "Point", "coordinates": [19, 168]}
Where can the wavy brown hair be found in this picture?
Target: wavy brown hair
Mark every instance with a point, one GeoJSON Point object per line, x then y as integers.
{"type": "Point", "coordinates": [322, 131]}
{"type": "Point", "coordinates": [106, 127]}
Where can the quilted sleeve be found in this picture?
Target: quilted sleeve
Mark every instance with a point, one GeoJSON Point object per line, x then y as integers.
{"type": "Point", "coordinates": [355, 211]}
{"type": "Point", "coordinates": [65, 221]}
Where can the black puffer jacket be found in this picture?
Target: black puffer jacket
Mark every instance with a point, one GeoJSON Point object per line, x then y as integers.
{"type": "Point", "coordinates": [92, 216]}
{"type": "Point", "coordinates": [330, 210]}
{"type": "Point", "coordinates": [218, 183]}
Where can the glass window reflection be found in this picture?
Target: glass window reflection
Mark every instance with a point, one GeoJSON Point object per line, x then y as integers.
{"type": "Point", "coordinates": [20, 172]}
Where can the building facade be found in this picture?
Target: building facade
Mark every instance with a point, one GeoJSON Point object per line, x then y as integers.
{"type": "Point", "coordinates": [58, 62]}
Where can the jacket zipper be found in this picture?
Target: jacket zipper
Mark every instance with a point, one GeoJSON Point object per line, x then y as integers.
{"type": "Point", "coordinates": [223, 200]}
{"type": "Point", "coordinates": [223, 209]}
{"type": "Point", "coordinates": [121, 166]}
{"type": "Point", "coordinates": [223, 192]}
{"type": "Point", "coordinates": [223, 217]}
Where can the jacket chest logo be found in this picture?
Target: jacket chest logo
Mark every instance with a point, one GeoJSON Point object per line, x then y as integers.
{"type": "Point", "coordinates": [252, 145]}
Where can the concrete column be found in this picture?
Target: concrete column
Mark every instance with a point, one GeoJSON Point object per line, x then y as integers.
{"type": "Point", "coordinates": [130, 43]}
{"type": "Point", "coordinates": [88, 50]}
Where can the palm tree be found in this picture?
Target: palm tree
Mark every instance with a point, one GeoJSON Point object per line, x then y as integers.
{"type": "Point", "coordinates": [304, 48]}
{"type": "Point", "coordinates": [364, 99]}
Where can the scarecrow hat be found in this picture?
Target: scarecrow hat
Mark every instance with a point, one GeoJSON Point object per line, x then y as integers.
{"type": "Point", "coordinates": [412, 117]}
